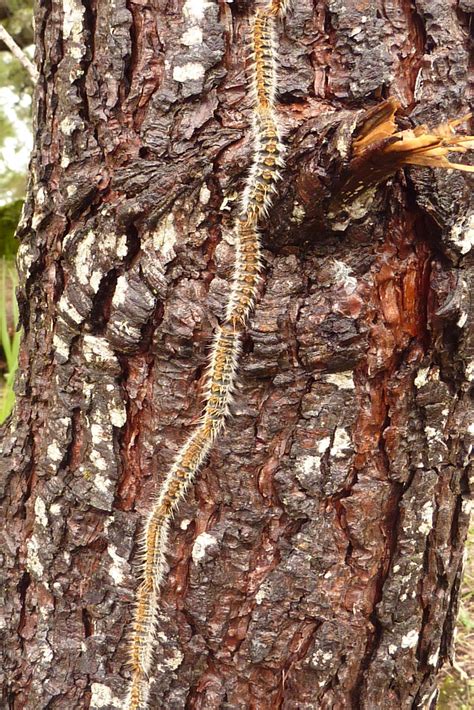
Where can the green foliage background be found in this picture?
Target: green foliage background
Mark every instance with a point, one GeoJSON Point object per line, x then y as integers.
{"type": "Point", "coordinates": [9, 218]}
{"type": "Point", "coordinates": [9, 335]}
{"type": "Point", "coordinates": [16, 16]}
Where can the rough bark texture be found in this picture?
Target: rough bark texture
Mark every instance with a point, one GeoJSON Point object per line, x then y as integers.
{"type": "Point", "coordinates": [317, 561]}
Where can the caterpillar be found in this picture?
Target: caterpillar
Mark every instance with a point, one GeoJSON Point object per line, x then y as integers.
{"type": "Point", "coordinates": [221, 375]}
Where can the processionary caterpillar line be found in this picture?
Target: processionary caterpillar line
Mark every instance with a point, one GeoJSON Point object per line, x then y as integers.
{"type": "Point", "coordinates": [221, 378]}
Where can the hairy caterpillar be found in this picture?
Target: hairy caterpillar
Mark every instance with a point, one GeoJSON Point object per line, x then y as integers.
{"type": "Point", "coordinates": [256, 199]}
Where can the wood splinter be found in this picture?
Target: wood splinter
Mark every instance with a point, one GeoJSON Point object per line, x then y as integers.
{"type": "Point", "coordinates": [379, 149]}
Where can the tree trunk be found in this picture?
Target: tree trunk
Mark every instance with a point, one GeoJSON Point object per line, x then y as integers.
{"type": "Point", "coordinates": [316, 562]}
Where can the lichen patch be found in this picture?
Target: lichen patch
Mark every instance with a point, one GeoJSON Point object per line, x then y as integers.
{"type": "Point", "coordinates": [341, 444]}
{"type": "Point", "coordinates": [83, 261]}
{"type": "Point", "coordinates": [201, 545]}
{"type": "Point", "coordinates": [102, 697]}
{"type": "Point", "coordinates": [119, 566]}
{"type": "Point", "coordinates": [69, 310]}
{"type": "Point", "coordinates": [54, 452]}
{"type": "Point", "coordinates": [40, 512]}
{"type": "Point", "coordinates": [118, 414]}
{"type": "Point", "coordinates": [427, 513]}
{"type": "Point", "coordinates": [33, 563]}
{"type": "Point", "coordinates": [195, 9]}
{"type": "Point", "coordinates": [191, 71]}
{"type": "Point", "coordinates": [462, 234]}
{"type": "Point", "coordinates": [309, 464]}
{"type": "Point", "coordinates": [120, 293]}
{"type": "Point", "coordinates": [342, 380]}
{"type": "Point", "coordinates": [98, 348]}
{"type": "Point", "coordinates": [192, 37]}
{"type": "Point", "coordinates": [410, 640]}
{"type": "Point", "coordinates": [100, 464]}
{"type": "Point", "coordinates": [73, 13]}
{"type": "Point", "coordinates": [324, 444]}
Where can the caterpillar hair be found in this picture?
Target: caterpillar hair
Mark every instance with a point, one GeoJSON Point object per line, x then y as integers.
{"type": "Point", "coordinates": [279, 7]}
{"type": "Point", "coordinates": [222, 372]}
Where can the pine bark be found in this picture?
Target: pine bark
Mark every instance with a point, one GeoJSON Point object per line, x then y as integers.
{"type": "Point", "coordinates": [316, 563]}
